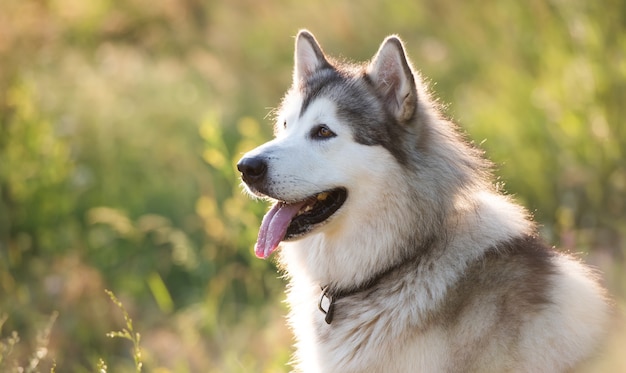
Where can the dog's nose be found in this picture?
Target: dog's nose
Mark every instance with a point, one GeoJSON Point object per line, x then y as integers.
{"type": "Point", "coordinates": [253, 169]}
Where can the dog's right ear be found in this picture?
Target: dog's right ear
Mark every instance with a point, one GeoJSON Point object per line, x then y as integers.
{"type": "Point", "coordinates": [309, 57]}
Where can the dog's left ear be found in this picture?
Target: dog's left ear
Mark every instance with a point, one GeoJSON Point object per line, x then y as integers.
{"type": "Point", "coordinates": [308, 58]}
{"type": "Point", "coordinates": [393, 78]}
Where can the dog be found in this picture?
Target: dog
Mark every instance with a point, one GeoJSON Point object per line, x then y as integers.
{"type": "Point", "coordinates": [401, 252]}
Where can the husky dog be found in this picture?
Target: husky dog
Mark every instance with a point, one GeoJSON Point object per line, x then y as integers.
{"type": "Point", "coordinates": [402, 255]}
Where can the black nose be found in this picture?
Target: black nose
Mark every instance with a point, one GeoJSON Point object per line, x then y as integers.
{"type": "Point", "coordinates": [253, 169]}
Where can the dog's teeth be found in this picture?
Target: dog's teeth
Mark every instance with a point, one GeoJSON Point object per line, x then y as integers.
{"type": "Point", "coordinates": [322, 196]}
{"type": "Point", "coordinates": [305, 210]}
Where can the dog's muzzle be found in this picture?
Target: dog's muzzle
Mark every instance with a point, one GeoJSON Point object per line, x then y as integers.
{"type": "Point", "coordinates": [287, 219]}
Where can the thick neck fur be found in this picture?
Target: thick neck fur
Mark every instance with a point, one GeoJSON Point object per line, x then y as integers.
{"type": "Point", "coordinates": [484, 219]}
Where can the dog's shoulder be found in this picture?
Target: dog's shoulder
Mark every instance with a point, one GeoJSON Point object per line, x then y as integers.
{"type": "Point", "coordinates": [526, 296]}
{"type": "Point", "coordinates": [515, 275]}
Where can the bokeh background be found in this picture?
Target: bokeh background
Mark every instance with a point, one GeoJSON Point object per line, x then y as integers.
{"type": "Point", "coordinates": [121, 123]}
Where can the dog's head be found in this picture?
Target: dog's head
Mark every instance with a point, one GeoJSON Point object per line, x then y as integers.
{"type": "Point", "coordinates": [336, 141]}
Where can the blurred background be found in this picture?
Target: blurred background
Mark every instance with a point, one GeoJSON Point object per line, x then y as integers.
{"type": "Point", "coordinates": [121, 123]}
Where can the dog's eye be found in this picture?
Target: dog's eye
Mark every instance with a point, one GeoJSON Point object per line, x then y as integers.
{"type": "Point", "coordinates": [322, 132]}
{"type": "Point", "coordinates": [285, 124]}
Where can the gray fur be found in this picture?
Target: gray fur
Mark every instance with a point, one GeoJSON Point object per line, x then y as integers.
{"type": "Point", "coordinates": [430, 268]}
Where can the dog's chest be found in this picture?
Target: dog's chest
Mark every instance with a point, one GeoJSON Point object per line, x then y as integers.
{"type": "Point", "coordinates": [359, 344]}
{"type": "Point", "coordinates": [369, 336]}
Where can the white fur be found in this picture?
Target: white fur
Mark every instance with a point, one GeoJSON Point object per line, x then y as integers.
{"type": "Point", "coordinates": [553, 341]}
{"type": "Point", "coordinates": [573, 326]}
{"type": "Point", "coordinates": [371, 219]}
{"type": "Point", "coordinates": [395, 332]}
{"type": "Point", "coordinates": [382, 352]}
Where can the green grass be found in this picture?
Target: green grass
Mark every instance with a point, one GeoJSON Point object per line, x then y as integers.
{"type": "Point", "coordinates": [127, 333]}
{"type": "Point", "coordinates": [11, 363]}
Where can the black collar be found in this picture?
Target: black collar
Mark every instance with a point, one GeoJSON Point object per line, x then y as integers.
{"type": "Point", "coordinates": [332, 295]}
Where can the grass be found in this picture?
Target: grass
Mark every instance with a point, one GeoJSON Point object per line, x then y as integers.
{"type": "Point", "coordinates": [10, 363]}
{"type": "Point", "coordinates": [127, 333]}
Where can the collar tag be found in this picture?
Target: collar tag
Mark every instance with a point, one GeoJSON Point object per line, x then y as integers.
{"type": "Point", "coordinates": [330, 300]}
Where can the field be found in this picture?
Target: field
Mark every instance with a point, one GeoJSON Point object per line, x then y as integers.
{"type": "Point", "coordinates": [121, 123]}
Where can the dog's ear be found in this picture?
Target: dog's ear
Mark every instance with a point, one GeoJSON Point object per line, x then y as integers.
{"type": "Point", "coordinates": [393, 78]}
{"type": "Point", "coordinates": [309, 57]}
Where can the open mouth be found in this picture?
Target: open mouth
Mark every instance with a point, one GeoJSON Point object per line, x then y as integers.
{"type": "Point", "coordinates": [287, 221]}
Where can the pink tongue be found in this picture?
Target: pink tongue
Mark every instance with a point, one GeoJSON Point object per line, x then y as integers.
{"type": "Point", "coordinates": [274, 227]}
